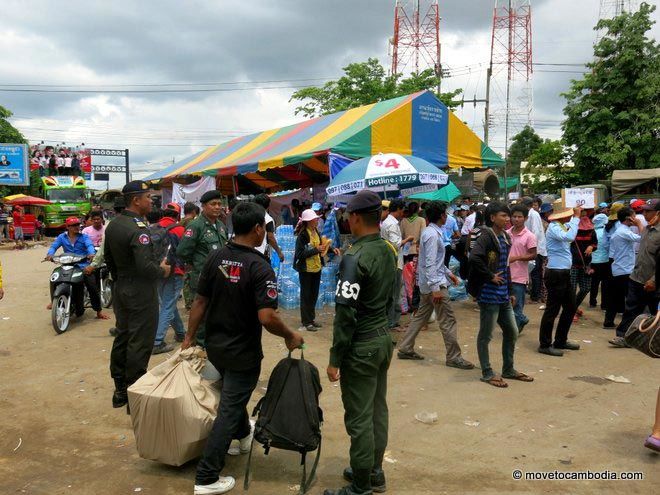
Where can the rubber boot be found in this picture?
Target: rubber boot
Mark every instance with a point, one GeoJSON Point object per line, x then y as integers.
{"type": "Point", "coordinates": [120, 396]}
{"type": "Point", "coordinates": [378, 484]}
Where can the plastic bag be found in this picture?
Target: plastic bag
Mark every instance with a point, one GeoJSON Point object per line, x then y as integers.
{"type": "Point", "coordinates": [173, 409]}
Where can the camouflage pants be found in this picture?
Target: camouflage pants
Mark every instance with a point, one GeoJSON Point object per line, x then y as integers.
{"type": "Point", "coordinates": [188, 294]}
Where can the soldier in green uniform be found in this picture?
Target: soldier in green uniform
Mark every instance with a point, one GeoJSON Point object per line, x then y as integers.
{"type": "Point", "coordinates": [204, 234]}
{"type": "Point", "coordinates": [362, 347]}
{"type": "Point", "coordinates": [129, 255]}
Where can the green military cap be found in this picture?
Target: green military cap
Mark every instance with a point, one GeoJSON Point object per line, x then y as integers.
{"type": "Point", "coordinates": [135, 187]}
{"type": "Point", "coordinates": [210, 195]}
{"type": "Point", "coordinates": [364, 201]}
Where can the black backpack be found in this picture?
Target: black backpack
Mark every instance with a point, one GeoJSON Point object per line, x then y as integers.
{"type": "Point", "coordinates": [162, 239]}
{"type": "Point", "coordinates": [289, 414]}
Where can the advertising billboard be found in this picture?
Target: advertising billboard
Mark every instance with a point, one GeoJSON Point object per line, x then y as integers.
{"type": "Point", "coordinates": [61, 160]}
{"type": "Point", "coordinates": [14, 165]}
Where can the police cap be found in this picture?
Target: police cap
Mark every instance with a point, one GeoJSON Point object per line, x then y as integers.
{"type": "Point", "coordinates": [364, 201]}
{"type": "Point", "coordinates": [135, 187]}
{"type": "Point", "coordinates": [210, 195]}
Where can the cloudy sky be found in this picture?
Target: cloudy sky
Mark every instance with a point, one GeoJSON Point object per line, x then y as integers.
{"type": "Point", "coordinates": [101, 49]}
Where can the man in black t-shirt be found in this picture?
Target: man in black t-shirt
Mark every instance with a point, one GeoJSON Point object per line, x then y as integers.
{"type": "Point", "coordinates": [237, 292]}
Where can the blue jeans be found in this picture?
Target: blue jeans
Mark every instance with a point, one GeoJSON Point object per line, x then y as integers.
{"type": "Point", "coordinates": [168, 293]}
{"type": "Point", "coordinates": [502, 314]}
{"type": "Point", "coordinates": [519, 291]}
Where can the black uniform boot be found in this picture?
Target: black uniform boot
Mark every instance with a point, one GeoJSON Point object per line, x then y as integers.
{"type": "Point", "coordinates": [120, 396]}
{"type": "Point", "coordinates": [378, 484]}
{"type": "Point", "coordinates": [361, 484]}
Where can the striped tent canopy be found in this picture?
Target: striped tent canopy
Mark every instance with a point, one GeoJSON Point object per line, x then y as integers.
{"type": "Point", "coordinates": [297, 156]}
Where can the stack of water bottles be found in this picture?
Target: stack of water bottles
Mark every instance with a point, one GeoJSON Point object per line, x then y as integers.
{"type": "Point", "coordinates": [287, 279]}
{"type": "Point", "coordinates": [328, 284]}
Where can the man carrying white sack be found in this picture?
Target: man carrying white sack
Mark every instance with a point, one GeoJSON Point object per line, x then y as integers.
{"type": "Point", "coordinates": [237, 291]}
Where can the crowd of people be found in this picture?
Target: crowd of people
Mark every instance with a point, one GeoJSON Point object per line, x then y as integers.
{"type": "Point", "coordinates": [219, 258]}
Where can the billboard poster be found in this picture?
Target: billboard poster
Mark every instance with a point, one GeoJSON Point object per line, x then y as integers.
{"type": "Point", "coordinates": [61, 160]}
{"type": "Point", "coordinates": [14, 165]}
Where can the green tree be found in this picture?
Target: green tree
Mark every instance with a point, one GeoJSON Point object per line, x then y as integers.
{"type": "Point", "coordinates": [8, 134]}
{"type": "Point", "coordinates": [613, 113]}
{"type": "Point", "coordinates": [549, 168]}
{"type": "Point", "coordinates": [362, 84]}
{"type": "Point", "coordinates": [522, 146]}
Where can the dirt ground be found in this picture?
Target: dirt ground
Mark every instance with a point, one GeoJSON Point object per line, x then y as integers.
{"type": "Point", "coordinates": [60, 435]}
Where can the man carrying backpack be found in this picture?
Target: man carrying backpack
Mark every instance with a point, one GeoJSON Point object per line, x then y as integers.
{"type": "Point", "coordinates": [165, 236]}
{"type": "Point", "coordinates": [237, 292]}
{"type": "Point", "coordinates": [362, 346]}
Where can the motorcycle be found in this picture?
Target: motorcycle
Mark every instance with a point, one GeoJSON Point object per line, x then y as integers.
{"type": "Point", "coordinates": [105, 285]}
{"type": "Point", "coordinates": [66, 282]}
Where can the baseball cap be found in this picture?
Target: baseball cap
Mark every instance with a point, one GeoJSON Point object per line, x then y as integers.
{"type": "Point", "coordinates": [637, 205]}
{"type": "Point", "coordinates": [135, 187]}
{"type": "Point", "coordinates": [317, 206]}
{"type": "Point", "coordinates": [385, 204]}
{"type": "Point", "coordinates": [308, 215]}
{"type": "Point", "coordinates": [72, 221]}
{"type": "Point", "coordinates": [364, 201]}
{"type": "Point", "coordinates": [173, 206]}
{"type": "Point", "coordinates": [651, 205]}
{"type": "Point", "coordinates": [602, 205]}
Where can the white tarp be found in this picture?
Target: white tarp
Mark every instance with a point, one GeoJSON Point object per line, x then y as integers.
{"type": "Point", "coordinates": [184, 193]}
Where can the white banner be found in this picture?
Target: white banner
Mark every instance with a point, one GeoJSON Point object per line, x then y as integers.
{"type": "Point", "coordinates": [583, 197]}
{"type": "Point", "coordinates": [182, 193]}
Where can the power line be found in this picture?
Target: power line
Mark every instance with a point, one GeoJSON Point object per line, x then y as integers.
{"type": "Point", "coordinates": [146, 91]}
{"type": "Point", "coordinates": [217, 83]}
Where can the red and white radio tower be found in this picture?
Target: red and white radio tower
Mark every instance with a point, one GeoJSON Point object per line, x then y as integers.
{"type": "Point", "coordinates": [416, 41]}
{"type": "Point", "coordinates": [509, 91]}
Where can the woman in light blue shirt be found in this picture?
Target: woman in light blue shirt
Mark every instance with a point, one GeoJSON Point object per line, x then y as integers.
{"type": "Point", "coordinates": [622, 254]}
{"type": "Point", "coordinates": [600, 263]}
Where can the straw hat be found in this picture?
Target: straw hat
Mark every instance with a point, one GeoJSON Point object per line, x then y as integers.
{"type": "Point", "coordinates": [561, 213]}
{"type": "Point", "coordinates": [559, 210]}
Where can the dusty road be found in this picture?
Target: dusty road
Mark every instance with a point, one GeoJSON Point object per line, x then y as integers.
{"type": "Point", "coordinates": [59, 434]}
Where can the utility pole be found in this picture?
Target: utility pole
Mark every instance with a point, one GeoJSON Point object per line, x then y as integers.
{"type": "Point", "coordinates": [489, 73]}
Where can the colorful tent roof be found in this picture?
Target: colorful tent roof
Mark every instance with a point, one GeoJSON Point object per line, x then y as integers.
{"type": "Point", "coordinates": [296, 155]}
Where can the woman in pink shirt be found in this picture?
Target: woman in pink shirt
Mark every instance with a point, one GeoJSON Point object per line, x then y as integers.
{"type": "Point", "coordinates": [523, 250]}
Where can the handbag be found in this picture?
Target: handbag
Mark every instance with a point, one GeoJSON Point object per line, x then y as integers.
{"type": "Point", "coordinates": [644, 334]}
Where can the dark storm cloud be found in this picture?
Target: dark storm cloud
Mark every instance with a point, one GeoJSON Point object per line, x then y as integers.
{"type": "Point", "coordinates": [207, 41]}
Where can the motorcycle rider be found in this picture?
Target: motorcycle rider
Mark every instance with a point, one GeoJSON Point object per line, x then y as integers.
{"type": "Point", "coordinates": [75, 242]}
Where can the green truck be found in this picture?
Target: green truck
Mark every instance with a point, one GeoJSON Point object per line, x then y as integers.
{"type": "Point", "coordinates": [68, 196]}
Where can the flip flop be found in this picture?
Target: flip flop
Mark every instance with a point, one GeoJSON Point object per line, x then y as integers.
{"type": "Point", "coordinates": [495, 381]}
{"type": "Point", "coordinates": [652, 443]}
{"type": "Point", "coordinates": [519, 376]}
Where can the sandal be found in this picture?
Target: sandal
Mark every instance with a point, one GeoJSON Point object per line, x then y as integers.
{"type": "Point", "coordinates": [495, 381]}
{"type": "Point", "coordinates": [520, 377]}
